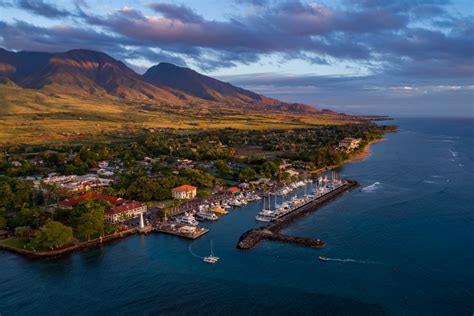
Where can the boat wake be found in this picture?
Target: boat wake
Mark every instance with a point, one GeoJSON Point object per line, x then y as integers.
{"type": "Point", "coordinates": [372, 187]}
{"type": "Point", "coordinates": [193, 254]}
{"type": "Point", "coordinates": [352, 261]}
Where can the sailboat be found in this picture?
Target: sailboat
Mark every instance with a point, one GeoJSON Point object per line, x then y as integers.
{"type": "Point", "coordinates": [211, 258]}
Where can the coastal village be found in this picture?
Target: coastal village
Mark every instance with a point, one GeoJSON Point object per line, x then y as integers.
{"type": "Point", "coordinates": [162, 190]}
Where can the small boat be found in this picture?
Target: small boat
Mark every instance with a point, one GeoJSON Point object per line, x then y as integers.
{"type": "Point", "coordinates": [211, 258]}
{"type": "Point", "coordinates": [323, 258]}
{"type": "Point", "coordinates": [220, 210]}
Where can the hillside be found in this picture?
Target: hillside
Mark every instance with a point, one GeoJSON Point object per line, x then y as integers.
{"type": "Point", "coordinates": [82, 93]}
{"type": "Point", "coordinates": [88, 73]}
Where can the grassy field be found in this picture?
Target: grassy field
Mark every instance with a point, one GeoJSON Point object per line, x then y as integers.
{"type": "Point", "coordinates": [15, 242]}
{"type": "Point", "coordinates": [30, 116]}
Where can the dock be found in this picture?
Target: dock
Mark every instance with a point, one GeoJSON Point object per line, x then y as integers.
{"type": "Point", "coordinates": [181, 230]}
{"type": "Point", "coordinates": [252, 238]}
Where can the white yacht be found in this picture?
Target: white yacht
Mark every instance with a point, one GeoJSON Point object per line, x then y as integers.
{"type": "Point", "coordinates": [187, 219]}
{"type": "Point", "coordinates": [266, 216]}
{"type": "Point", "coordinates": [207, 215]}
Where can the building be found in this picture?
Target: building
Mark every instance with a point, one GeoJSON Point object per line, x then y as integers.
{"type": "Point", "coordinates": [69, 203]}
{"type": "Point", "coordinates": [120, 211]}
{"type": "Point", "coordinates": [184, 192]}
{"type": "Point", "coordinates": [349, 143]}
{"type": "Point", "coordinates": [233, 190]}
{"type": "Point", "coordinates": [125, 211]}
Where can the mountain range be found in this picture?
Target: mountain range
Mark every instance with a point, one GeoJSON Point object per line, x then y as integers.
{"type": "Point", "coordinates": [87, 73]}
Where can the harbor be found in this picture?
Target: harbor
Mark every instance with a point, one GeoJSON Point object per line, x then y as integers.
{"type": "Point", "coordinates": [253, 237]}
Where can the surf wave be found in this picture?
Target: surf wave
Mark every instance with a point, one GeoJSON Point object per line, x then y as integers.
{"type": "Point", "coordinates": [372, 187]}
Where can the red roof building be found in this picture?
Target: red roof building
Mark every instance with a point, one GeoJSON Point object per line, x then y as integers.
{"type": "Point", "coordinates": [69, 203]}
{"type": "Point", "coordinates": [233, 190]}
{"type": "Point", "coordinates": [184, 192]}
{"type": "Point", "coordinates": [120, 211]}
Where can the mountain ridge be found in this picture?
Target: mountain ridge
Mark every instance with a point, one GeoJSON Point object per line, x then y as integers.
{"type": "Point", "coordinates": [85, 72]}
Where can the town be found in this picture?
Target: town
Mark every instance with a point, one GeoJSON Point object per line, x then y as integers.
{"type": "Point", "coordinates": [56, 197]}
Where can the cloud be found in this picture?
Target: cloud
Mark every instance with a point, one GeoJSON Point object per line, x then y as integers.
{"type": "Point", "coordinates": [42, 8]}
{"type": "Point", "coordinates": [400, 38]}
{"type": "Point", "coordinates": [175, 12]}
{"type": "Point", "coordinates": [372, 94]}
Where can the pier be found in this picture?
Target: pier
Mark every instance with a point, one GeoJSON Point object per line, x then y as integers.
{"type": "Point", "coordinates": [251, 238]}
{"type": "Point", "coordinates": [181, 230]}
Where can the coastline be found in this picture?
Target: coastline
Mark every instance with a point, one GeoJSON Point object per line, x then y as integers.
{"type": "Point", "coordinates": [359, 156]}
{"type": "Point", "coordinates": [364, 153]}
{"type": "Point", "coordinates": [68, 249]}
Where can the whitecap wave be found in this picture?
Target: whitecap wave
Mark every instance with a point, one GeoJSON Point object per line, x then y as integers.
{"type": "Point", "coordinates": [430, 182]}
{"type": "Point", "coordinates": [460, 165]}
{"type": "Point", "coordinates": [453, 153]}
{"type": "Point", "coordinates": [436, 176]}
{"type": "Point", "coordinates": [372, 187]}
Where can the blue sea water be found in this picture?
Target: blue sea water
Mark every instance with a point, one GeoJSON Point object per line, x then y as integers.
{"type": "Point", "coordinates": [401, 244]}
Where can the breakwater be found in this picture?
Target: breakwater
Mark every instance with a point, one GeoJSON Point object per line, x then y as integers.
{"type": "Point", "coordinates": [251, 238]}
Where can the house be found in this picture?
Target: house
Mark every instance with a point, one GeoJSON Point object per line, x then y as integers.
{"type": "Point", "coordinates": [292, 173]}
{"type": "Point", "coordinates": [233, 190]}
{"type": "Point", "coordinates": [103, 164]}
{"type": "Point", "coordinates": [16, 164]}
{"type": "Point", "coordinates": [184, 192]}
{"type": "Point", "coordinates": [349, 143]}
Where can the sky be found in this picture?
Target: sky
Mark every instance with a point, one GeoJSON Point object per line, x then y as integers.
{"type": "Point", "coordinates": [398, 58]}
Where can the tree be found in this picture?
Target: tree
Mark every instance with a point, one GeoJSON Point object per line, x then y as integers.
{"type": "Point", "coordinates": [3, 222]}
{"type": "Point", "coordinates": [26, 217]}
{"type": "Point", "coordinates": [223, 168]}
{"type": "Point", "coordinates": [7, 198]}
{"type": "Point", "coordinates": [91, 224]}
{"type": "Point", "coordinates": [23, 231]}
{"type": "Point", "coordinates": [269, 169]}
{"type": "Point", "coordinates": [87, 206]}
{"type": "Point", "coordinates": [52, 235]}
{"type": "Point", "coordinates": [247, 174]}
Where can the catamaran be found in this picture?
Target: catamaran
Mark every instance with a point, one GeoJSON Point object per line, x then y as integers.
{"type": "Point", "coordinates": [211, 258]}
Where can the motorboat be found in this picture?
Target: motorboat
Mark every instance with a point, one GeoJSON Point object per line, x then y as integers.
{"type": "Point", "coordinates": [220, 210]}
{"type": "Point", "coordinates": [323, 258]}
{"type": "Point", "coordinates": [266, 216]}
{"type": "Point", "coordinates": [207, 215]}
{"type": "Point", "coordinates": [187, 219]}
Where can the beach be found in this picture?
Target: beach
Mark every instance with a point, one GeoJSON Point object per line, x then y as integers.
{"type": "Point", "coordinates": [364, 153]}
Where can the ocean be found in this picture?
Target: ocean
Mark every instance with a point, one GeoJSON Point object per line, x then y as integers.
{"type": "Point", "coordinates": [400, 244]}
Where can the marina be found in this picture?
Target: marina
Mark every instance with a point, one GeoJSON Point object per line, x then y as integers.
{"type": "Point", "coordinates": [252, 238]}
